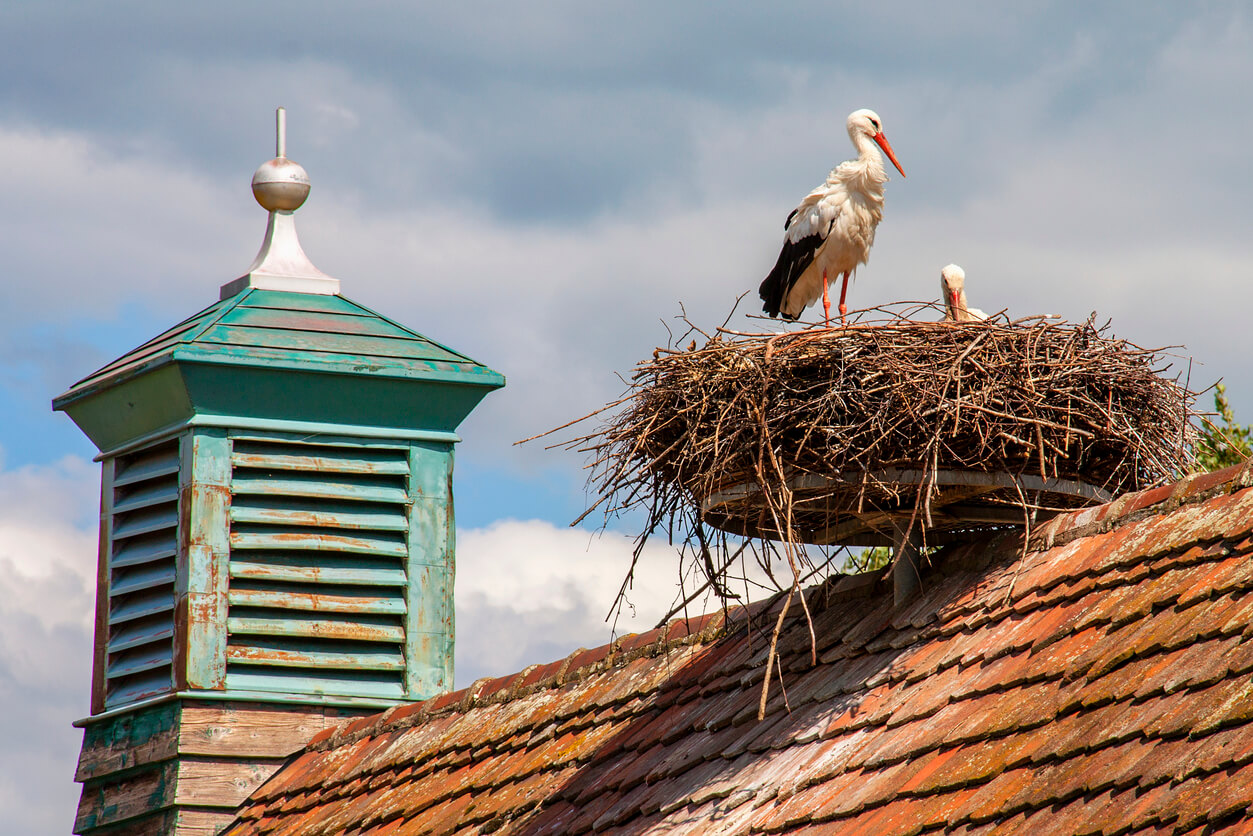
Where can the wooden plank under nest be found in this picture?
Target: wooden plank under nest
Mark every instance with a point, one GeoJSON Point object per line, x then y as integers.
{"type": "Point", "coordinates": [955, 503]}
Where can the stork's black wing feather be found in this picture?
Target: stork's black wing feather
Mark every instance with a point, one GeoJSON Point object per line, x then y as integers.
{"type": "Point", "coordinates": [793, 259]}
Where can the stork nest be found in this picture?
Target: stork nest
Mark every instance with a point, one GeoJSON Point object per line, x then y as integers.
{"type": "Point", "coordinates": [842, 435]}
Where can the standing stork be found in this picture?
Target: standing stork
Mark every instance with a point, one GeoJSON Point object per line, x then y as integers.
{"type": "Point", "coordinates": [832, 229]}
{"type": "Point", "coordinates": [956, 309]}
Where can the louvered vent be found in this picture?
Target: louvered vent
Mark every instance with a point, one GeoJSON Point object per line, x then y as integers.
{"type": "Point", "coordinates": [319, 537]}
{"type": "Point", "coordinates": [142, 547]}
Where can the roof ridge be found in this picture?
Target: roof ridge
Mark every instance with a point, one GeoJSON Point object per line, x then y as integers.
{"type": "Point", "coordinates": [577, 665]}
{"type": "Point", "coordinates": [210, 321]}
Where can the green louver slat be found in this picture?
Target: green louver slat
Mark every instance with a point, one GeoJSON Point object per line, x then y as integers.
{"type": "Point", "coordinates": [355, 461]}
{"type": "Point", "coordinates": [314, 628]}
{"type": "Point", "coordinates": [317, 542]}
{"type": "Point", "coordinates": [136, 633]}
{"type": "Point", "coordinates": [147, 494]}
{"type": "Point", "coordinates": [294, 657]}
{"type": "Point", "coordinates": [142, 605]}
{"type": "Point", "coordinates": [289, 570]}
{"type": "Point", "coordinates": [135, 551]}
{"type": "Point", "coordinates": [144, 466]}
{"type": "Point", "coordinates": [143, 545]}
{"type": "Point", "coordinates": [316, 486]}
{"type": "Point", "coordinates": [320, 514]}
{"type": "Point", "coordinates": [145, 659]}
{"type": "Point", "coordinates": [320, 680]}
{"type": "Point", "coordinates": [157, 574]}
{"type": "Point", "coordinates": [314, 601]}
{"type": "Point", "coordinates": [148, 520]}
{"type": "Point", "coordinates": [139, 686]}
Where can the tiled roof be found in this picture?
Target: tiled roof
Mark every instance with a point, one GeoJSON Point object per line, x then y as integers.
{"type": "Point", "coordinates": [1103, 683]}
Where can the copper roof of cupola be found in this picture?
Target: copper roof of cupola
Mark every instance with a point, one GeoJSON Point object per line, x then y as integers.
{"type": "Point", "coordinates": [1098, 681]}
{"type": "Point", "coordinates": [293, 330]}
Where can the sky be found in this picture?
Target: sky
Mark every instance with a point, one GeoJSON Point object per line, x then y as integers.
{"type": "Point", "coordinates": [546, 187]}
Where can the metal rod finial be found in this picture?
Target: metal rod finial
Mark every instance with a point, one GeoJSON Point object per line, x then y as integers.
{"type": "Point", "coordinates": [280, 117]}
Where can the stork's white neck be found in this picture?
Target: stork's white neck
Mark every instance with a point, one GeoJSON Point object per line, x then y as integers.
{"type": "Point", "coordinates": [864, 175]}
{"type": "Point", "coordinates": [868, 153]}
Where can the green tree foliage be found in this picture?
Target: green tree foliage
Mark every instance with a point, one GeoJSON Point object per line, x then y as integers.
{"type": "Point", "coordinates": [1223, 442]}
{"type": "Point", "coordinates": [868, 560]}
{"type": "Point", "coordinates": [875, 558]}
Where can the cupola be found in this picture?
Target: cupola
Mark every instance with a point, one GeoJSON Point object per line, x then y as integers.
{"type": "Point", "coordinates": [276, 542]}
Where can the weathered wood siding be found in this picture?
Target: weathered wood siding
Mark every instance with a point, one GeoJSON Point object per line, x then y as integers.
{"type": "Point", "coordinates": [182, 767]}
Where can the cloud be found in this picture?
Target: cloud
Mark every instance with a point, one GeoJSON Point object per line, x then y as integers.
{"type": "Point", "coordinates": [529, 592]}
{"type": "Point", "coordinates": [47, 594]}
{"type": "Point", "coordinates": [83, 229]}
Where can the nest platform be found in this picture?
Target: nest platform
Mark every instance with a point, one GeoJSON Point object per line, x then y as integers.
{"type": "Point", "coordinates": [852, 435]}
{"type": "Point", "coordinates": [874, 508]}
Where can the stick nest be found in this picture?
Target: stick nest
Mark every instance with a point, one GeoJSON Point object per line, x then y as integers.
{"type": "Point", "coordinates": [835, 435]}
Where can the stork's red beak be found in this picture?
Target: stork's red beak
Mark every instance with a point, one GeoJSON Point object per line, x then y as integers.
{"type": "Point", "coordinates": [887, 149]}
{"type": "Point", "coordinates": [952, 295]}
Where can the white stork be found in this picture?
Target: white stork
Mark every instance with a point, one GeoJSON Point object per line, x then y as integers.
{"type": "Point", "coordinates": [832, 229]}
{"type": "Point", "coordinates": [953, 283]}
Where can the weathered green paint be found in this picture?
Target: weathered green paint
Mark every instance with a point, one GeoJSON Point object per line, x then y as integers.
{"type": "Point", "coordinates": [206, 496]}
{"type": "Point", "coordinates": [268, 331]}
{"type": "Point", "coordinates": [326, 687]}
{"type": "Point", "coordinates": [321, 602]}
{"type": "Point", "coordinates": [115, 415]}
{"type": "Point", "coordinates": [296, 657]}
{"type": "Point", "coordinates": [174, 394]}
{"type": "Point", "coordinates": [430, 619]}
{"type": "Point", "coordinates": [319, 486]}
{"type": "Point", "coordinates": [355, 627]}
{"type": "Point", "coordinates": [359, 461]}
{"type": "Point", "coordinates": [310, 568]}
{"type": "Point", "coordinates": [317, 515]}
{"type": "Point", "coordinates": [125, 734]}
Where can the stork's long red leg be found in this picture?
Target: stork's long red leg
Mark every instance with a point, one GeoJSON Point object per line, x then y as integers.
{"type": "Point", "coordinates": [826, 298]}
{"type": "Point", "coordinates": [843, 291]}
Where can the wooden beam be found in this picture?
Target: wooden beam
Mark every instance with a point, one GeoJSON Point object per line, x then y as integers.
{"type": "Point", "coordinates": [220, 784]}
{"type": "Point", "coordinates": [237, 730]}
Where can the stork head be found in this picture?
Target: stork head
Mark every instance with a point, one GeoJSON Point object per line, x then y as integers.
{"type": "Point", "coordinates": [953, 284]}
{"type": "Point", "coordinates": [866, 122]}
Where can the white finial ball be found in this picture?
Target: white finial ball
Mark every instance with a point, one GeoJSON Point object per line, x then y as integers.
{"type": "Point", "coordinates": [280, 185]}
